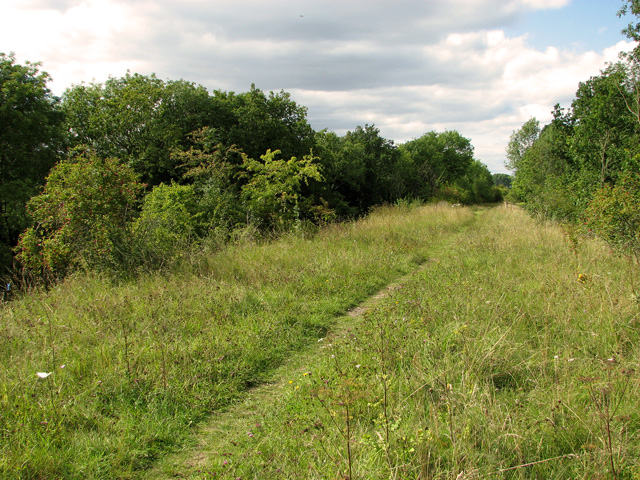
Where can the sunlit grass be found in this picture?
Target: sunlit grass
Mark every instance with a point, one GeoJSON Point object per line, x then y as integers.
{"type": "Point", "coordinates": [508, 356]}
{"type": "Point", "coordinates": [134, 367]}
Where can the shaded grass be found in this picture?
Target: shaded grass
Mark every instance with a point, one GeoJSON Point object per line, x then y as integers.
{"type": "Point", "coordinates": [134, 367]}
{"type": "Point", "coordinates": [498, 360]}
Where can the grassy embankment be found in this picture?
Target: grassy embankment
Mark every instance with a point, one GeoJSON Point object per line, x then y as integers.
{"type": "Point", "coordinates": [134, 367]}
{"type": "Point", "coordinates": [511, 356]}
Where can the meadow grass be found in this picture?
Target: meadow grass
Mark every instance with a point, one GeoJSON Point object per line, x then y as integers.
{"type": "Point", "coordinates": [128, 370]}
{"type": "Point", "coordinates": [512, 354]}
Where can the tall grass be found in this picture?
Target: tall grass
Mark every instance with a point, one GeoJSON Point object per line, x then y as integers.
{"type": "Point", "coordinates": [128, 370]}
{"type": "Point", "coordinates": [512, 354]}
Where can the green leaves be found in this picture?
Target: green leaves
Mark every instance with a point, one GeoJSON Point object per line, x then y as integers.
{"type": "Point", "coordinates": [613, 215]}
{"type": "Point", "coordinates": [273, 188]}
{"type": "Point", "coordinates": [31, 137]}
{"type": "Point", "coordinates": [81, 217]}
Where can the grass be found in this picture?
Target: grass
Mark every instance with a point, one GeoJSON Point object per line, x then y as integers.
{"type": "Point", "coordinates": [135, 367]}
{"type": "Point", "coordinates": [511, 354]}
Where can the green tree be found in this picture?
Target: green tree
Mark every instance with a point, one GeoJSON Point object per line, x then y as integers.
{"type": "Point", "coordinates": [214, 169]}
{"type": "Point", "coordinates": [81, 218]}
{"type": "Point", "coordinates": [604, 132]}
{"type": "Point", "coordinates": [343, 173]}
{"type": "Point", "coordinates": [520, 141]}
{"type": "Point", "coordinates": [172, 219]}
{"type": "Point", "coordinates": [613, 215]}
{"type": "Point", "coordinates": [544, 175]}
{"type": "Point", "coordinates": [140, 120]}
{"type": "Point", "coordinates": [264, 122]}
{"type": "Point", "coordinates": [373, 158]}
{"type": "Point", "coordinates": [439, 159]}
{"type": "Point", "coordinates": [502, 180]}
{"type": "Point", "coordinates": [632, 31]}
{"type": "Point", "coordinates": [476, 186]}
{"type": "Point", "coordinates": [31, 140]}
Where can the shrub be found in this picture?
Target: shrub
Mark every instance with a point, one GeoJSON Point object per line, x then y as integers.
{"type": "Point", "coordinates": [171, 218]}
{"type": "Point", "coordinates": [614, 215]}
{"type": "Point", "coordinates": [81, 218]}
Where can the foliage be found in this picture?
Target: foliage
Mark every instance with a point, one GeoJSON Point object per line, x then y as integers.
{"type": "Point", "coordinates": [171, 219]}
{"type": "Point", "coordinates": [604, 132]}
{"type": "Point", "coordinates": [438, 159]}
{"type": "Point", "coordinates": [138, 119]}
{"type": "Point", "coordinates": [213, 169]}
{"type": "Point", "coordinates": [520, 141]}
{"type": "Point", "coordinates": [613, 215]}
{"type": "Point", "coordinates": [82, 217]}
{"type": "Point", "coordinates": [502, 180]}
{"type": "Point", "coordinates": [266, 122]}
{"type": "Point", "coordinates": [476, 186]}
{"type": "Point", "coordinates": [582, 150]}
{"type": "Point", "coordinates": [632, 31]}
{"type": "Point", "coordinates": [31, 139]}
{"type": "Point", "coordinates": [272, 189]}
{"type": "Point", "coordinates": [542, 179]}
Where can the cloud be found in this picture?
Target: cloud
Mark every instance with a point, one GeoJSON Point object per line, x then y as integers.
{"type": "Point", "coordinates": [544, 4]}
{"type": "Point", "coordinates": [408, 67]}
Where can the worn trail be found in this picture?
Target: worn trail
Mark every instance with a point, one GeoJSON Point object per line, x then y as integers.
{"type": "Point", "coordinates": [212, 437]}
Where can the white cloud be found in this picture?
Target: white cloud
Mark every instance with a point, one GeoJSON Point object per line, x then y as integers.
{"type": "Point", "coordinates": [544, 4]}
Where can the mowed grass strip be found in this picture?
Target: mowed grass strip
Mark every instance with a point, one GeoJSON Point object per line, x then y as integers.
{"type": "Point", "coordinates": [510, 355]}
{"type": "Point", "coordinates": [100, 380]}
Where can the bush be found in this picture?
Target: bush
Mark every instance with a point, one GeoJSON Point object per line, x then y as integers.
{"type": "Point", "coordinates": [614, 215]}
{"type": "Point", "coordinates": [82, 217]}
{"type": "Point", "coordinates": [171, 218]}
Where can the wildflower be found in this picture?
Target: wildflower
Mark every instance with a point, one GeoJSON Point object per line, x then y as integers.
{"type": "Point", "coordinates": [43, 374]}
{"type": "Point", "coordinates": [358, 366]}
{"type": "Point", "coordinates": [583, 277]}
{"type": "Point", "coordinates": [290, 382]}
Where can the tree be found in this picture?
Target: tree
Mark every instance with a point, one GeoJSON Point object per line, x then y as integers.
{"type": "Point", "coordinates": [502, 180]}
{"type": "Point", "coordinates": [520, 141]}
{"type": "Point", "coordinates": [604, 132]}
{"type": "Point", "coordinates": [476, 185]}
{"type": "Point", "coordinates": [140, 120]}
{"type": "Point", "coordinates": [632, 31]}
{"type": "Point", "coordinates": [544, 175]}
{"type": "Point", "coordinates": [31, 140]}
{"type": "Point", "coordinates": [81, 218]}
{"type": "Point", "coordinates": [264, 122]}
{"type": "Point", "coordinates": [439, 158]}
{"type": "Point", "coordinates": [613, 215]}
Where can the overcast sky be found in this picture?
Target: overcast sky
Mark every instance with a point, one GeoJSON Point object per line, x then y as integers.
{"type": "Point", "coordinates": [481, 67]}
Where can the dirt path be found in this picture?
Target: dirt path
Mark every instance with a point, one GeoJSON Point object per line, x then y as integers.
{"type": "Point", "coordinates": [212, 436]}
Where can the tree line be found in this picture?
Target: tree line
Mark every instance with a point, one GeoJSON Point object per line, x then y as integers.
{"type": "Point", "coordinates": [583, 168]}
{"type": "Point", "coordinates": [126, 172]}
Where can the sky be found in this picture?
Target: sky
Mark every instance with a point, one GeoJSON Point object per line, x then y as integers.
{"type": "Point", "coordinates": [481, 67]}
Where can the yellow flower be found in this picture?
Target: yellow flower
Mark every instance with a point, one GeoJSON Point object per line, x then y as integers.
{"type": "Point", "coordinates": [583, 277]}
